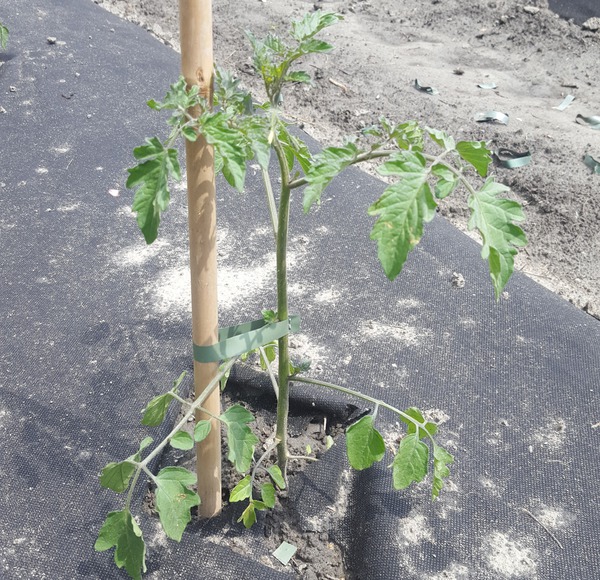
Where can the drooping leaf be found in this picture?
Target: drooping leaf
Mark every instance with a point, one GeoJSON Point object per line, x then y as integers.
{"type": "Point", "coordinates": [116, 475]}
{"type": "Point", "coordinates": [475, 153]}
{"type": "Point", "coordinates": [442, 139]}
{"type": "Point", "coordinates": [402, 210]}
{"type": "Point", "coordinates": [313, 22]}
{"type": "Point", "coordinates": [267, 493]}
{"type": "Point", "coordinates": [122, 532]}
{"type": "Point", "coordinates": [428, 427]}
{"type": "Point", "coordinates": [201, 430]}
{"type": "Point", "coordinates": [327, 164]}
{"type": "Point", "coordinates": [248, 516]}
{"type": "Point", "coordinates": [494, 219]}
{"type": "Point", "coordinates": [276, 476]}
{"type": "Point", "coordinates": [364, 443]}
{"type": "Point", "coordinates": [240, 439]}
{"type": "Point", "coordinates": [174, 500]}
{"type": "Point", "coordinates": [242, 490]}
{"type": "Point", "coordinates": [441, 459]}
{"type": "Point", "coordinates": [411, 462]}
{"type": "Point", "coordinates": [182, 440]}
{"type": "Point", "coordinates": [446, 182]}
{"type": "Point", "coordinates": [150, 178]}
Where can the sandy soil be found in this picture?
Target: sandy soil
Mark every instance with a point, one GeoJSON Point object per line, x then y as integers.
{"type": "Point", "coordinates": [534, 57]}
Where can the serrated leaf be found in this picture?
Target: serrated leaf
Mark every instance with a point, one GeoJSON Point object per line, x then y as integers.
{"type": "Point", "coordinates": [441, 459]}
{"type": "Point", "coordinates": [189, 133]}
{"type": "Point", "coordinates": [267, 493]}
{"type": "Point", "coordinates": [402, 211]}
{"type": "Point", "coordinates": [122, 532]}
{"type": "Point", "coordinates": [240, 439]}
{"type": "Point", "coordinates": [442, 139]}
{"type": "Point", "coordinates": [117, 475]}
{"type": "Point", "coordinates": [276, 476]}
{"type": "Point", "coordinates": [294, 149]}
{"type": "Point", "coordinates": [313, 22]}
{"type": "Point", "coordinates": [475, 153]}
{"type": "Point", "coordinates": [327, 165]}
{"type": "Point", "coordinates": [201, 430]}
{"type": "Point", "coordinates": [150, 178]}
{"type": "Point", "coordinates": [242, 490]}
{"type": "Point", "coordinates": [428, 427]}
{"type": "Point", "coordinates": [364, 443]}
{"type": "Point", "coordinates": [174, 500]}
{"type": "Point", "coordinates": [315, 46]}
{"type": "Point", "coordinates": [182, 440]}
{"type": "Point", "coordinates": [298, 77]}
{"type": "Point", "coordinates": [156, 409]}
{"type": "Point", "coordinates": [248, 516]}
{"type": "Point", "coordinates": [446, 182]}
{"type": "Point", "coordinates": [411, 462]}
{"type": "Point", "coordinates": [257, 133]}
{"type": "Point", "coordinates": [407, 136]}
{"type": "Point", "coordinates": [3, 36]}
{"type": "Point", "coordinates": [494, 218]}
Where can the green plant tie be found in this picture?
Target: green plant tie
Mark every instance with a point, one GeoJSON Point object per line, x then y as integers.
{"type": "Point", "coordinates": [592, 164]}
{"type": "Point", "coordinates": [487, 86]}
{"type": "Point", "coordinates": [566, 102]}
{"type": "Point", "coordinates": [236, 340]}
{"type": "Point", "coordinates": [593, 121]}
{"type": "Point", "coordinates": [512, 159]}
{"type": "Point", "coordinates": [424, 89]}
{"type": "Point", "coordinates": [492, 117]}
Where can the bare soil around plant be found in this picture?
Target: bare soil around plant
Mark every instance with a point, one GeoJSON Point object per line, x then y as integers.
{"type": "Point", "coordinates": [534, 58]}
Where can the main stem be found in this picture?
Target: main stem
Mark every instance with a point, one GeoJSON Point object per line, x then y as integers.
{"type": "Point", "coordinates": [283, 403]}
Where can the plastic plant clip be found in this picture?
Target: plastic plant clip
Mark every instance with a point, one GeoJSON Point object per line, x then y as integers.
{"type": "Point", "coordinates": [424, 89]}
{"type": "Point", "coordinates": [511, 159]}
{"type": "Point", "coordinates": [285, 552]}
{"type": "Point", "coordinates": [492, 117]}
{"type": "Point", "coordinates": [592, 164]}
{"type": "Point", "coordinates": [488, 86]}
{"type": "Point", "coordinates": [566, 102]}
{"type": "Point", "coordinates": [593, 122]}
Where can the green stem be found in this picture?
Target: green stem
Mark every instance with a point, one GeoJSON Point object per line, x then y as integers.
{"type": "Point", "coordinates": [258, 464]}
{"type": "Point", "coordinates": [270, 371]}
{"type": "Point", "coordinates": [270, 201]}
{"type": "Point", "coordinates": [283, 403]}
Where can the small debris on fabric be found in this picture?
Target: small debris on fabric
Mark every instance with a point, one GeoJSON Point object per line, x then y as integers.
{"type": "Point", "coordinates": [458, 71]}
{"type": "Point", "coordinates": [51, 40]}
{"type": "Point", "coordinates": [114, 192]}
{"type": "Point", "coordinates": [458, 280]}
{"type": "Point", "coordinates": [592, 24]}
{"type": "Point", "coordinates": [531, 9]}
{"type": "Point", "coordinates": [12, 89]}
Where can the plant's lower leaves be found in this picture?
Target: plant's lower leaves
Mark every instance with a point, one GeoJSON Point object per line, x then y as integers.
{"type": "Point", "coordinates": [122, 532]}
{"type": "Point", "coordinates": [364, 443]}
{"type": "Point", "coordinates": [276, 476]}
{"type": "Point", "coordinates": [411, 462]}
{"type": "Point", "coordinates": [248, 516]}
{"type": "Point", "coordinates": [242, 490]}
{"type": "Point", "coordinates": [116, 476]}
{"type": "Point", "coordinates": [156, 409]}
{"type": "Point", "coordinates": [267, 492]}
{"type": "Point", "coordinates": [402, 210]}
{"type": "Point", "coordinates": [441, 459]}
{"type": "Point", "coordinates": [494, 218]}
{"type": "Point", "coordinates": [182, 440]}
{"type": "Point", "coordinates": [201, 430]}
{"type": "Point", "coordinates": [240, 439]}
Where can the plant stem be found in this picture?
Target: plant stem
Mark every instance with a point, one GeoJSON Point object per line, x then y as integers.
{"type": "Point", "coordinates": [283, 403]}
{"type": "Point", "coordinates": [270, 201]}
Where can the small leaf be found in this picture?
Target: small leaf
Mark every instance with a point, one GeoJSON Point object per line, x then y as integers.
{"type": "Point", "coordinates": [201, 430]}
{"type": "Point", "coordinates": [428, 427]}
{"type": "Point", "coordinates": [411, 462]}
{"type": "Point", "coordinates": [364, 443]}
{"type": "Point", "coordinates": [442, 139]}
{"type": "Point", "coordinates": [441, 458]}
{"type": "Point", "coordinates": [329, 442]}
{"type": "Point", "coordinates": [240, 439]}
{"type": "Point", "coordinates": [241, 491]}
{"type": "Point", "coordinates": [156, 409]}
{"type": "Point", "coordinates": [298, 77]}
{"type": "Point", "coordinates": [475, 153]}
{"type": "Point", "coordinates": [116, 476]}
{"type": "Point", "coordinates": [237, 414]}
{"type": "Point", "coordinates": [313, 22]}
{"type": "Point", "coordinates": [144, 443]}
{"type": "Point", "coordinates": [189, 133]}
{"type": "Point", "coordinates": [267, 492]}
{"type": "Point", "coordinates": [174, 500]}
{"type": "Point", "coordinates": [402, 210]}
{"type": "Point", "coordinates": [276, 476]}
{"type": "Point", "coordinates": [182, 440]}
{"type": "Point", "coordinates": [122, 532]}
{"type": "Point", "coordinates": [3, 36]}
{"type": "Point", "coordinates": [248, 516]}
{"type": "Point", "coordinates": [493, 217]}
{"type": "Point", "coordinates": [447, 181]}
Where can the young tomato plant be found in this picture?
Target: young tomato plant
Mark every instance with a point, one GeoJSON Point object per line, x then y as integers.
{"type": "Point", "coordinates": [427, 165]}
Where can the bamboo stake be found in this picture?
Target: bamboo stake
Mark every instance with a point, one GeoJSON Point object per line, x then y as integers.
{"type": "Point", "coordinates": [195, 22]}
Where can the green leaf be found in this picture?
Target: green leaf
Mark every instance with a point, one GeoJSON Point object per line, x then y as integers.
{"type": "Point", "coordinates": [428, 427]}
{"type": "Point", "coordinates": [327, 164]}
{"type": "Point", "coordinates": [256, 130]}
{"type": "Point", "coordinates": [407, 136]}
{"type": "Point", "coordinates": [174, 500]}
{"type": "Point", "coordinates": [122, 532]}
{"type": "Point", "coordinates": [313, 22]}
{"type": "Point", "coordinates": [182, 440]}
{"type": "Point", "coordinates": [447, 181]}
{"type": "Point", "coordinates": [314, 46]}
{"type": "Point", "coordinates": [441, 458]}
{"type": "Point", "coordinates": [151, 177]}
{"type": "Point", "coordinates": [276, 476]}
{"type": "Point", "coordinates": [242, 490]}
{"type": "Point", "coordinates": [442, 139]}
{"type": "Point", "coordinates": [189, 133]}
{"type": "Point", "coordinates": [475, 153]}
{"type": "Point", "coordinates": [299, 77]}
{"type": "Point", "coordinates": [269, 315]}
{"type": "Point", "coordinates": [294, 149]}
{"type": "Point", "coordinates": [201, 430]}
{"type": "Point", "coordinates": [240, 439]}
{"type": "Point", "coordinates": [402, 210]}
{"type": "Point", "coordinates": [116, 476]}
{"type": "Point", "coordinates": [364, 443]}
{"type": "Point", "coordinates": [494, 219]}
{"type": "Point", "coordinates": [248, 516]}
{"type": "Point", "coordinates": [144, 443]}
{"type": "Point", "coordinates": [3, 36]}
{"type": "Point", "coordinates": [156, 409]}
{"type": "Point", "coordinates": [267, 492]}
{"type": "Point", "coordinates": [411, 462]}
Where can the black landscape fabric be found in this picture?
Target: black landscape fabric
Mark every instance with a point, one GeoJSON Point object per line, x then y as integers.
{"type": "Point", "coordinates": [95, 324]}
